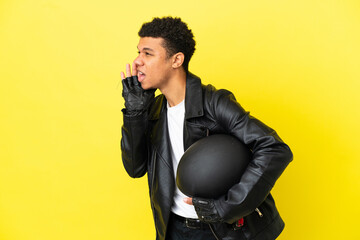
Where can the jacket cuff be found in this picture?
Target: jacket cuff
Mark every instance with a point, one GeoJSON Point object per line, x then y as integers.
{"type": "Point", "coordinates": [132, 115]}
{"type": "Point", "coordinates": [243, 198]}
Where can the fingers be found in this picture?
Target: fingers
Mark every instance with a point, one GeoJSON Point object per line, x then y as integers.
{"type": "Point", "coordinates": [135, 81]}
{"type": "Point", "coordinates": [188, 201]}
{"type": "Point", "coordinates": [134, 69]}
{"type": "Point", "coordinates": [128, 70]}
{"type": "Point", "coordinates": [129, 80]}
{"type": "Point", "coordinates": [125, 83]}
{"type": "Point", "coordinates": [134, 74]}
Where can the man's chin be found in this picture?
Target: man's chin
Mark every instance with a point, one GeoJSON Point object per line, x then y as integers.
{"type": "Point", "coordinates": [146, 87]}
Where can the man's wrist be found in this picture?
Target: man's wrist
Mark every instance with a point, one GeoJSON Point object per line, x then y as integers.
{"type": "Point", "coordinates": [132, 113]}
{"type": "Point", "coordinates": [206, 210]}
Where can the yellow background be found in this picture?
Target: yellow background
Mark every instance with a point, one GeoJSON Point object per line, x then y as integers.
{"type": "Point", "coordinates": [293, 64]}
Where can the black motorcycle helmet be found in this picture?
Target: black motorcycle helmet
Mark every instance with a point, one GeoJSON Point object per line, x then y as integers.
{"type": "Point", "coordinates": [212, 165]}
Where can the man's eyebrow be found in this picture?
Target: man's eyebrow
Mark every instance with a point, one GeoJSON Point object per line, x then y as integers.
{"type": "Point", "coordinates": [146, 49]}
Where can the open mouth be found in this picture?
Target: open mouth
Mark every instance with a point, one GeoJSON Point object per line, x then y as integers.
{"type": "Point", "coordinates": [141, 76]}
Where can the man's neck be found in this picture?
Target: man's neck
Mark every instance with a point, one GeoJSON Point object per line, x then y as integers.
{"type": "Point", "coordinates": [175, 89]}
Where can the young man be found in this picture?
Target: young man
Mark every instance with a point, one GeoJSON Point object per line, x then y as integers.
{"type": "Point", "coordinates": [157, 131]}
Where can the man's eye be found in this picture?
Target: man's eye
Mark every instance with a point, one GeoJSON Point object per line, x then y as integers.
{"type": "Point", "coordinates": [146, 53]}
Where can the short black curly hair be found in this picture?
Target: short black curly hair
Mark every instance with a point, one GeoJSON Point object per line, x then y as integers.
{"type": "Point", "coordinates": [176, 34]}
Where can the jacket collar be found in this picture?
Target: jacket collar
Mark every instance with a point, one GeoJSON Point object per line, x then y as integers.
{"type": "Point", "coordinates": [193, 97]}
{"type": "Point", "coordinates": [193, 100]}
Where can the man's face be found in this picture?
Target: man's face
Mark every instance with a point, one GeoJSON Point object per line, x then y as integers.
{"type": "Point", "coordinates": [152, 64]}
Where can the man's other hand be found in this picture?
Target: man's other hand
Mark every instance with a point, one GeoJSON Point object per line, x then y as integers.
{"type": "Point", "coordinates": [205, 209]}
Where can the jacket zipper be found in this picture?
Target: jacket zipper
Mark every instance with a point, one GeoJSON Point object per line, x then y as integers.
{"type": "Point", "coordinates": [258, 211]}
{"type": "Point", "coordinates": [213, 232]}
{"type": "Point", "coordinates": [153, 174]}
{"type": "Point", "coordinates": [152, 188]}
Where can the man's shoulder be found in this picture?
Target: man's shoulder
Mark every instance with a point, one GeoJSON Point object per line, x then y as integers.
{"type": "Point", "coordinates": [211, 92]}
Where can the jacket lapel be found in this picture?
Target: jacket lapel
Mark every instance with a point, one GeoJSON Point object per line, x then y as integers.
{"type": "Point", "coordinates": [164, 182]}
{"type": "Point", "coordinates": [159, 131]}
{"type": "Point", "coordinates": [193, 109]}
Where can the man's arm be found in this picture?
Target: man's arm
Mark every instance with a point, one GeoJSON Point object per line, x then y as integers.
{"type": "Point", "coordinates": [270, 157]}
{"type": "Point", "coordinates": [133, 145]}
{"type": "Point", "coordinates": [133, 141]}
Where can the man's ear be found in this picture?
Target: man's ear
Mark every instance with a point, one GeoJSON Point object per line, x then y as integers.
{"type": "Point", "coordinates": [178, 60]}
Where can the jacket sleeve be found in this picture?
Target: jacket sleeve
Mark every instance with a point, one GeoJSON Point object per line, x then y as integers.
{"type": "Point", "coordinates": [270, 157]}
{"type": "Point", "coordinates": [133, 144]}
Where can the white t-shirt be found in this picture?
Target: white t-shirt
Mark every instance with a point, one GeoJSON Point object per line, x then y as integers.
{"type": "Point", "coordinates": [176, 115]}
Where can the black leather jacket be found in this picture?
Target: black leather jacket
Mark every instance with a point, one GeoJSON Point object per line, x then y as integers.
{"type": "Point", "coordinates": [146, 149]}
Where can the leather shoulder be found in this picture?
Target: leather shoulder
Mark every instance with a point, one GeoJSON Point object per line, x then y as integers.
{"type": "Point", "coordinates": [156, 107]}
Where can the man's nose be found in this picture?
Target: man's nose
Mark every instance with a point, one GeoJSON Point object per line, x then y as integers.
{"type": "Point", "coordinates": [138, 61]}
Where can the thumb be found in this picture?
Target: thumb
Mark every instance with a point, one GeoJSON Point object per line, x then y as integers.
{"type": "Point", "coordinates": [188, 200]}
